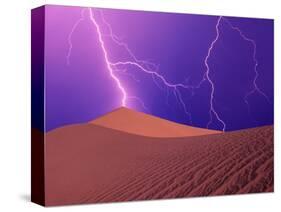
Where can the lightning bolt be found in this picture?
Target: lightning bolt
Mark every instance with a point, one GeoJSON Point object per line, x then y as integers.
{"type": "Point", "coordinates": [212, 111]}
{"type": "Point", "coordinates": [141, 65]}
{"type": "Point", "coordinates": [70, 36]}
{"type": "Point", "coordinates": [108, 63]}
{"type": "Point", "coordinates": [206, 77]}
{"type": "Point", "coordinates": [118, 41]}
{"type": "Point", "coordinates": [255, 88]}
{"type": "Point", "coordinates": [148, 68]}
{"type": "Point", "coordinates": [104, 51]}
{"type": "Point", "coordinates": [174, 87]}
{"type": "Point", "coordinates": [151, 69]}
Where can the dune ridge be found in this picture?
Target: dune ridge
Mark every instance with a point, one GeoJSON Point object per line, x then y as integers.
{"type": "Point", "coordinates": [133, 122]}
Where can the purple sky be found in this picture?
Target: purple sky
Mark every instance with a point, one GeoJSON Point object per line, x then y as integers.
{"type": "Point", "coordinates": [79, 88]}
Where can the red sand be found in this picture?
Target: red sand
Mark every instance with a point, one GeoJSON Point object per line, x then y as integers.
{"type": "Point", "coordinates": [138, 123]}
{"type": "Point", "coordinates": [90, 164]}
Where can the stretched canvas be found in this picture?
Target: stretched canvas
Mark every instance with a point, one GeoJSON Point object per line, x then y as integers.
{"type": "Point", "coordinates": [137, 105]}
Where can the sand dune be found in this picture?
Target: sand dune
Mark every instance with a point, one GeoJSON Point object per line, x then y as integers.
{"type": "Point", "coordinates": [138, 123]}
{"type": "Point", "coordinates": [90, 164]}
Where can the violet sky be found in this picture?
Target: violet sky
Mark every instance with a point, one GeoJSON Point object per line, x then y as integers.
{"type": "Point", "coordinates": [80, 89]}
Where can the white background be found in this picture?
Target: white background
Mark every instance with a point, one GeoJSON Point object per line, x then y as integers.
{"type": "Point", "coordinates": [15, 104]}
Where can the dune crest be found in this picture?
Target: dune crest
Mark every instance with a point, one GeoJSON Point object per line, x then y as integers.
{"type": "Point", "coordinates": [138, 123]}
